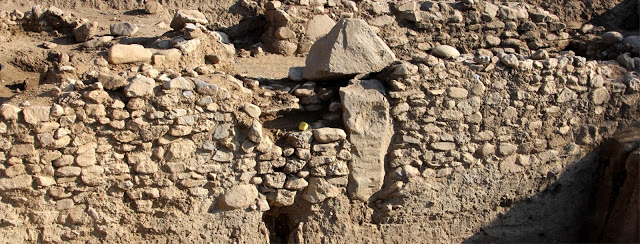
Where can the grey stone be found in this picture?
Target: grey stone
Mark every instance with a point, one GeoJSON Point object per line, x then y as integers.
{"type": "Point", "coordinates": [510, 60]}
{"type": "Point", "coordinates": [123, 29]}
{"type": "Point", "coordinates": [205, 88]}
{"type": "Point", "coordinates": [295, 73]}
{"type": "Point", "coordinates": [319, 26]}
{"type": "Point", "coordinates": [611, 37]}
{"type": "Point", "coordinates": [350, 48]}
{"type": "Point", "coordinates": [367, 118]}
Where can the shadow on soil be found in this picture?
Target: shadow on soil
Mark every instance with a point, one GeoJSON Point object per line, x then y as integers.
{"type": "Point", "coordinates": [582, 205]}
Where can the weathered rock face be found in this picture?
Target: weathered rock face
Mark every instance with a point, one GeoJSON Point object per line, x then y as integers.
{"type": "Point", "coordinates": [368, 122]}
{"type": "Point", "coordinates": [350, 48]}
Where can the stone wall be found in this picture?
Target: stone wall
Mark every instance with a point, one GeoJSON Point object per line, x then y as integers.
{"type": "Point", "coordinates": [413, 27]}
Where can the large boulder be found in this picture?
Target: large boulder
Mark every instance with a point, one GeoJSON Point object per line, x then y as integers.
{"type": "Point", "coordinates": [350, 48]}
{"type": "Point", "coordinates": [367, 118]}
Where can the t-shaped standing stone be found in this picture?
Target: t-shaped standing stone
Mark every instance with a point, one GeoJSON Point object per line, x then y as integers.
{"type": "Point", "coordinates": [368, 122]}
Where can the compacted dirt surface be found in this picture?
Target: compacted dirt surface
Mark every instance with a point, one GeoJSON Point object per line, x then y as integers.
{"type": "Point", "coordinates": [319, 121]}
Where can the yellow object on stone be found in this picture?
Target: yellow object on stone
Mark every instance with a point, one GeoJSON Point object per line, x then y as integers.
{"type": "Point", "coordinates": [303, 126]}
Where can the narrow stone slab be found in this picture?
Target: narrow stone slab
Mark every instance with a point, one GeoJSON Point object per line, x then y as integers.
{"type": "Point", "coordinates": [367, 119]}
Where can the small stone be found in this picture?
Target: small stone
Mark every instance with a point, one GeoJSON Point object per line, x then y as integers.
{"type": "Point", "coordinates": [123, 29]}
{"type": "Point", "coordinates": [183, 17]}
{"type": "Point", "coordinates": [64, 204]}
{"type": "Point", "coordinates": [611, 37]}
{"type": "Point", "coordinates": [153, 7]}
{"type": "Point", "coordinates": [510, 60]}
{"type": "Point", "coordinates": [284, 33]}
{"type": "Point", "coordinates": [252, 110]}
{"type": "Point", "coordinates": [49, 45]}
{"type": "Point", "coordinates": [506, 149]}
{"type": "Point", "coordinates": [214, 58]}
{"type": "Point", "coordinates": [98, 42]}
{"type": "Point", "coordinates": [486, 150]}
{"type": "Point", "coordinates": [329, 135]}
{"type": "Point", "coordinates": [140, 86]}
{"type": "Point", "coordinates": [15, 170]}
{"type": "Point", "coordinates": [319, 190]}
{"type": "Point", "coordinates": [443, 146]}
{"type": "Point", "coordinates": [22, 182]}
{"type": "Point", "coordinates": [445, 51]}
{"type": "Point", "coordinates": [44, 181]}
{"type": "Point", "coordinates": [456, 92]}
{"type": "Point", "coordinates": [111, 82]}
{"type": "Point", "coordinates": [566, 95]}
{"type": "Point", "coordinates": [273, 5]}
{"type": "Point", "coordinates": [281, 198]}
{"type": "Point", "coordinates": [9, 112]}
{"type": "Point", "coordinates": [68, 171]}
{"type": "Point", "coordinates": [239, 197]}
{"type": "Point", "coordinates": [600, 95]}
{"type": "Point", "coordinates": [36, 114]}
{"type": "Point", "coordinates": [275, 180]}
{"type": "Point", "coordinates": [540, 55]}
{"type": "Point", "coordinates": [179, 83]}
{"type": "Point", "coordinates": [205, 88]}
{"type": "Point", "coordinates": [405, 69]}
{"type": "Point", "coordinates": [85, 31]}
{"type": "Point", "coordinates": [296, 183]}
{"type": "Point", "coordinates": [146, 167]}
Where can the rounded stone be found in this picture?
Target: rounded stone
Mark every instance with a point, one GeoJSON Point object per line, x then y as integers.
{"type": "Point", "coordinates": [239, 197]}
{"type": "Point", "coordinates": [445, 51]}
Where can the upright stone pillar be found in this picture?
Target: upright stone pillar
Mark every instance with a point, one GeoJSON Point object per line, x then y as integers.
{"type": "Point", "coordinates": [368, 123]}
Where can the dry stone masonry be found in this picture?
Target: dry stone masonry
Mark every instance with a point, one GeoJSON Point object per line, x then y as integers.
{"type": "Point", "coordinates": [455, 121]}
